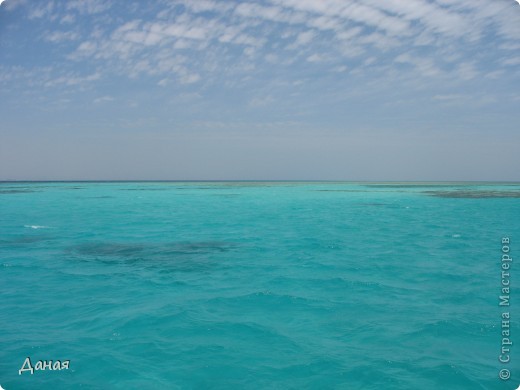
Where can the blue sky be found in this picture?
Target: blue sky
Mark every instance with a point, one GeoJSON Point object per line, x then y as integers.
{"type": "Point", "coordinates": [271, 89]}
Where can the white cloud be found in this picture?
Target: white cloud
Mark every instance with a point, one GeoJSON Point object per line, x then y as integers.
{"type": "Point", "coordinates": [510, 46]}
{"type": "Point", "coordinates": [467, 71]}
{"type": "Point", "coordinates": [305, 37]}
{"type": "Point", "coordinates": [424, 66]}
{"type": "Point", "coordinates": [514, 61]}
{"type": "Point", "coordinates": [163, 82]}
{"type": "Point", "coordinates": [190, 78]}
{"type": "Point", "coordinates": [61, 36]}
{"type": "Point", "coordinates": [200, 6]}
{"type": "Point", "coordinates": [85, 49]}
{"type": "Point", "coordinates": [317, 58]}
{"type": "Point", "coordinates": [88, 6]}
{"type": "Point", "coordinates": [68, 19]}
{"type": "Point", "coordinates": [340, 69]}
{"type": "Point", "coordinates": [261, 101]}
{"type": "Point", "coordinates": [37, 11]}
{"type": "Point", "coordinates": [72, 80]}
{"type": "Point", "coordinates": [449, 97]}
{"type": "Point", "coordinates": [188, 41]}
{"type": "Point", "coordinates": [103, 99]}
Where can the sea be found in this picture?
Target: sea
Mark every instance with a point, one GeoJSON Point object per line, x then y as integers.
{"type": "Point", "coordinates": [259, 285]}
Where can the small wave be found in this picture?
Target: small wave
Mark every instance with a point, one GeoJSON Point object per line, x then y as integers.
{"type": "Point", "coordinates": [37, 227]}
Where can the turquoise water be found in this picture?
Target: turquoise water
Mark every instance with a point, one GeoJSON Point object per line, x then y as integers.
{"type": "Point", "coordinates": [253, 285]}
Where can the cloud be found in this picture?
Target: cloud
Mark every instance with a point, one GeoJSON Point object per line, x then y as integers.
{"type": "Point", "coordinates": [467, 71]}
{"type": "Point", "coordinates": [61, 36]}
{"type": "Point", "coordinates": [305, 37]}
{"type": "Point", "coordinates": [200, 6]}
{"type": "Point", "coordinates": [261, 101]}
{"type": "Point", "coordinates": [316, 58]}
{"type": "Point", "coordinates": [424, 66]}
{"type": "Point", "coordinates": [514, 61]}
{"type": "Point", "coordinates": [103, 99]}
{"type": "Point", "coordinates": [68, 19]}
{"type": "Point", "coordinates": [189, 78]}
{"type": "Point", "coordinates": [88, 6]}
{"type": "Point", "coordinates": [72, 80]}
{"type": "Point", "coordinates": [462, 100]}
{"type": "Point", "coordinates": [41, 10]}
{"type": "Point", "coordinates": [450, 97]}
{"type": "Point", "coordinates": [186, 42]}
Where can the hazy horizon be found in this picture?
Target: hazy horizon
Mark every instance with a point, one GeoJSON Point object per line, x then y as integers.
{"type": "Point", "coordinates": [327, 90]}
{"type": "Point", "coordinates": [418, 183]}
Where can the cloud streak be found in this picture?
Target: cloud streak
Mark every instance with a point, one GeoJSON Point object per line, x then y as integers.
{"type": "Point", "coordinates": [195, 42]}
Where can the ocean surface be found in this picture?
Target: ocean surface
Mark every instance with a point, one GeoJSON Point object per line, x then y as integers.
{"type": "Point", "coordinates": [257, 285]}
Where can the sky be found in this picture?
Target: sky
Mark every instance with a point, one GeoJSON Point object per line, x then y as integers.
{"type": "Point", "coordinates": [387, 90]}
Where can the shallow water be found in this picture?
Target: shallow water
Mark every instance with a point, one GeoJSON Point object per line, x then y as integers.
{"type": "Point", "coordinates": [256, 285]}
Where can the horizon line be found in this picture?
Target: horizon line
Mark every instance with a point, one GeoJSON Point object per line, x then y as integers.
{"type": "Point", "coordinates": [250, 181]}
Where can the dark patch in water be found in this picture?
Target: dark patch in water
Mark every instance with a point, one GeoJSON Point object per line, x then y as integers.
{"type": "Point", "coordinates": [408, 185]}
{"type": "Point", "coordinates": [226, 195]}
{"type": "Point", "coordinates": [180, 255]}
{"type": "Point", "coordinates": [220, 187]}
{"type": "Point", "coordinates": [144, 189]}
{"type": "Point", "coordinates": [473, 194]}
{"type": "Point", "coordinates": [341, 190]}
{"type": "Point", "coordinates": [16, 191]}
{"type": "Point", "coordinates": [23, 240]}
{"type": "Point", "coordinates": [105, 249]}
{"type": "Point", "coordinates": [377, 204]}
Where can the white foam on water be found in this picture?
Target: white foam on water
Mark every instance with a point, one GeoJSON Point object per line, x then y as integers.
{"type": "Point", "coordinates": [36, 227]}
